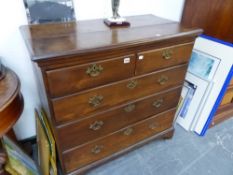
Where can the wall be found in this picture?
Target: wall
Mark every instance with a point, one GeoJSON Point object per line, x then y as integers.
{"type": "Point", "coordinates": [15, 55]}
{"type": "Point", "coordinates": [171, 9]}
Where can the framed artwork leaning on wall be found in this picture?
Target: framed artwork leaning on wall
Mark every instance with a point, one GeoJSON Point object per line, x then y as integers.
{"type": "Point", "coordinates": [45, 11]}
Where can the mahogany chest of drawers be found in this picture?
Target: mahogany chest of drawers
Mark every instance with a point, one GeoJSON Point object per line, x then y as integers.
{"type": "Point", "coordinates": [108, 90]}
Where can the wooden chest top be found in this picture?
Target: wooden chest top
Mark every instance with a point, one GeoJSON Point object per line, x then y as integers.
{"type": "Point", "coordinates": [62, 39]}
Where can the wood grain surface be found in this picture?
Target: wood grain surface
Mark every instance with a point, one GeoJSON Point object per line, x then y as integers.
{"type": "Point", "coordinates": [215, 17]}
{"type": "Point", "coordinates": [11, 101]}
{"type": "Point", "coordinates": [62, 39]}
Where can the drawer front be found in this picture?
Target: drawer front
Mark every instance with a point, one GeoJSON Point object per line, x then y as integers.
{"type": "Point", "coordinates": [76, 78]}
{"type": "Point", "coordinates": [108, 122]}
{"type": "Point", "coordinates": [113, 143]}
{"type": "Point", "coordinates": [152, 60]}
{"type": "Point", "coordinates": [228, 97]}
{"type": "Point", "coordinates": [99, 99]}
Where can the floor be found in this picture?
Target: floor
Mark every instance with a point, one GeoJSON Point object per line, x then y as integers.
{"type": "Point", "coordinates": [184, 154]}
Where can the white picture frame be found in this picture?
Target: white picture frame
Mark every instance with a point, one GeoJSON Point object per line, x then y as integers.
{"type": "Point", "coordinates": [201, 90]}
{"type": "Point", "coordinates": [203, 65]}
{"type": "Point", "coordinates": [214, 48]}
{"type": "Point", "coordinates": [209, 69]}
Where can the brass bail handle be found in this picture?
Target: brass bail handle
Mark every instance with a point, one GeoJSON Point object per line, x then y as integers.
{"type": "Point", "coordinates": [95, 100]}
{"type": "Point", "coordinates": [130, 108]}
{"type": "Point", "coordinates": [97, 149]}
{"type": "Point", "coordinates": [167, 54]}
{"type": "Point", "coordinates": [128, 131]}
{"type": "Point", "coordinates": [153, 126]}
{"type": "Point", "coordinates": [158, 103]}
{"type": "Point", "coordinates": [162, 80]}
{"type": "Point", "coordinates": [96, 125]}
{"type": "Point", "coordinates": [132, 84]}
{"type": "Point", "coordinates": [94, 70]}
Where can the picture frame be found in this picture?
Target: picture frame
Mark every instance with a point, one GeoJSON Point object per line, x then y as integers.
{"type": "Point", "coordinates": [46, 144]}
{"type": "Point", "coordinates": [223, 51]}
{"type": "Point", "coordinates": [210, 69]}
{"type": "Point", "coordinates": [39, 11]}
{"type": "Point", "coordinates": [194, 92]}
{"type": "Point", "coordinates": [203, 65]}
{"type": "Point", "coordinates": [18, 162]}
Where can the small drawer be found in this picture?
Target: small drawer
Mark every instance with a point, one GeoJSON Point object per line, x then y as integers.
{"type": "Point", "coordinates": [228, 97]}
{"type": "Point", "coordinates": [152, 60]}
{"type": "Point", "coordinates": [86, 154]}
{"type": "Point", "coordinates": [105, 123]}
{"type": "Point", "coordinates": [83, 104]}
{"type": "Point", "coordinates": [68, 80]}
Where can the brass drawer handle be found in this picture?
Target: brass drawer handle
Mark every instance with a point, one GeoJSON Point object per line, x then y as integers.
{"type": "Point", "coordinates": [128, 131]}
{"type": "Point", "coordinates": [97, 149]}
{"type": "Point", "coordinates": [95, 100]}
{"type": "Point", "coordinates": [96, 125]}
{"type": "Point", "coordinates": [129, 108]}
{"type": "Point", "coordinates": [153, 126]}
{"type": "Point", "coordinates": [132, 84]}
{"type": "Point", "coordinates": [162, 80]}
{"type": "Point", "coordinates": [158, 103]}
{"type": "Point", "coordinates": [94, 70]}
{"type": "Point", "coordinates": [167, 54]}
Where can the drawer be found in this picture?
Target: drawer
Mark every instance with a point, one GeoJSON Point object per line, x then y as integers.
{"type": "Point", "coordinates": [113, 120]}
{"type": "Point", "coordinates": [152, 60]}
{"type": "Point", "coordinates": [80, 105]}
{"type": "Point", "coordinates": [76, 78]}
{"type": "Point", "coordinates": [77, 158]}
{"type": "Point", "coordinates": [228, 97]}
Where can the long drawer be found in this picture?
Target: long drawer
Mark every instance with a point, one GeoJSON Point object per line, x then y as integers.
{"type": "Point", "coordinates": [79, 157]}
{"type": "Point", "coordinates": [71, 79]}
{"type": "Point", "coordinates": [105, 123]}
{"type": "Point", "coordinates": [152, 60]}
{"type": "Point", "coordinates": [80, 105]}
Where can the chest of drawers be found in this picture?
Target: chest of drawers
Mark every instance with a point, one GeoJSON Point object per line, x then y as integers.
{"type": "Point", "coordinates": [108, 90]}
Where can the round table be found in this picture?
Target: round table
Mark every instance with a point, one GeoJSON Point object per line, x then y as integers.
{"type": "Point", "coordinates": [11, 106]}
